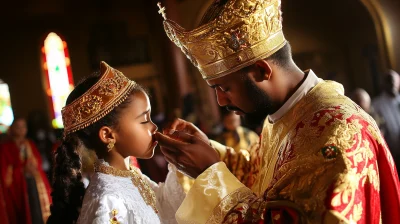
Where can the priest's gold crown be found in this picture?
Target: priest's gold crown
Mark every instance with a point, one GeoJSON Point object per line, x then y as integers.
{"type": "Point", "coordinates": [243, 32]}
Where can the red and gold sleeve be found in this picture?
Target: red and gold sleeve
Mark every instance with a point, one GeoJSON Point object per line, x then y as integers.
{"type": "Point", "coordinates": [217, 196]}
{"type": "Point", "coordinates": [243, 164]}
{"type": "Point", "coordinates": [214, 191]}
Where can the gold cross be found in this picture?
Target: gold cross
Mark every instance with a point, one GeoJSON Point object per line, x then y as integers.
{"type": "Point", "coordinates": [161, 11]}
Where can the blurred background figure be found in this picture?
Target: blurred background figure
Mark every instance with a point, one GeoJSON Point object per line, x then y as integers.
{"type": "Point", "coordinates": [233, 134]}
{"type": "Point", "coordinates": [26, 189]}
{"type": "Point", "coordinates": [387, 105]}
{"type": "Point", "coordinates": [3, 210]}
{"type": "Point", "coordinates": [136, 44]}
{"type": "Point", "coordinates": [42, 134]}
{"type": "Point", "coordinates": [362, 98]}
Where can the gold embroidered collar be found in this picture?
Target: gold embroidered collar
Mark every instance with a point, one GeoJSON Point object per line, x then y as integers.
{"type": "Point", "coordinates": [145, 190]}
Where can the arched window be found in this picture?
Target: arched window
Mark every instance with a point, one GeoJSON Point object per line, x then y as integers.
{"type": "Point", "coordinates": [59, 80]}
{"type": "Point", "coordinates": [6, 113]}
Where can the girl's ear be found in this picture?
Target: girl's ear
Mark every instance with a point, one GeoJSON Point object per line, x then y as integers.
{"type": "Point", "coordinates": [106, 135]}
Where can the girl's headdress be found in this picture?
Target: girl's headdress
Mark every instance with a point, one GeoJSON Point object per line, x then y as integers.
{"type": "Point", "coordinates": [110, 91]}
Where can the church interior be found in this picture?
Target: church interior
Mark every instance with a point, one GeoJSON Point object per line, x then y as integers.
{"type": "Point", "coordinates": [350, 41]}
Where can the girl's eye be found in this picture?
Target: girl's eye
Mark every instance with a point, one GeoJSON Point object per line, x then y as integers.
{"type": "Point", "coordinates": [145, 122]}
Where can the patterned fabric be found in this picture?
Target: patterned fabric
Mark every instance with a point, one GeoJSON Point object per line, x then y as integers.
{"type": "Point", "coordinates": [247, 138]}
{"type": "Point", "coordinates": [113, 199]}
{"type": "Point", "coordinates": [16, 190]}
{"type": "Point", "coordinates": [324, 161]}
{"type": "Point", "coordinates": [244, 32]}
{"type": "Point", "coordinates": [3, 209]}
{"type": "Point", "coordinates": [239, 139]}
{"type": "Point", "coordinates": [108, 92]}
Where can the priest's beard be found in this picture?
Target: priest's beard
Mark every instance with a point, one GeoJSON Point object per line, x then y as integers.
{"type": "Point", "coordinates": [262, 104]}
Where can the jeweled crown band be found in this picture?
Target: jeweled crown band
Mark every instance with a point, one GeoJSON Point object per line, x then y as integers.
{"type": "Point", "coordinates": [109, 92]}
{"type": "Point", "coordinates": [243, 58]}
{"type": "Point", "coordinates": [242, 32]}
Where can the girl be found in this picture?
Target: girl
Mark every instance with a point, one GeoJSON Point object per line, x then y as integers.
{"type": "Point", "coordinates": [110, 114]}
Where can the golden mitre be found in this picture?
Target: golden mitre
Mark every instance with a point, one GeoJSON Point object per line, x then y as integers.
{"type": "Point", "coordinates": [243, 32]}
{"type": "Point", "coordinates": [108, 92]}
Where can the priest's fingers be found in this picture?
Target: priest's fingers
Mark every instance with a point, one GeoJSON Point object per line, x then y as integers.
{"type": "Point", "coordinates": [178, 124]}
{"type": "Point", "coordinates": [181, 125]}
{"type": "Point", "coordinates": [166, 141]}
{"type": "Point", "coordinates": [179, 162]}
{"type": "Point", "coordinates": [172, 151]}
{"type": "Point", "coordinates": [181, 136]}
{"type": "Point", "coordinates": [172, 143]}
{"type": "Point", "coordinates": [169, 156]}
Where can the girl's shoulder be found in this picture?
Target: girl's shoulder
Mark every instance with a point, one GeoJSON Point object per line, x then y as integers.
{"type": "Point", "coordinates": [107, 195]}
{"type": "Point", "coordinates": [104, 184]}
{"type": "Point", "coordinates": [103, 200]}
{"type": "Point", "coordinates": [105, 190]}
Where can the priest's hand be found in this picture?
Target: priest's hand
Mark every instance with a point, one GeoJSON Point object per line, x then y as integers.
{"type": "Point", "coordinates": [190, 154]}
{"type": "Point", "coordinates": [187, 127]}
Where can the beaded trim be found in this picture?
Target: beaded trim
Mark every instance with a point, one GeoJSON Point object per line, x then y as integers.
{"type": "Point", "coordinates": [145, 190]}
{"type": "Point", "coordinates": [111, 90]}
{"type": "Point", "coordinates": [242, 32]}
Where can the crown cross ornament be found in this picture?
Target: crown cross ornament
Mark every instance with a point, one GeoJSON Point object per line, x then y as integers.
{"type": "Point", "coordinates": [238, 40]}
{"type": "Point", "coordinates": [162, 11]}
{"type": "Point", "coordinates": [242, 32]}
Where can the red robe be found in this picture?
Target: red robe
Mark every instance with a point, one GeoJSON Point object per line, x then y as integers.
{"type": "Point", "coordinates": [324, 161]}
{"type": "Point", "coordinates": [3, 210]}
{"type": "Point", "coordinates": [14, 184]}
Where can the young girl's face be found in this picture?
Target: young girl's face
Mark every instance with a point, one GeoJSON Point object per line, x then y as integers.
{"type": "Point", "coordinates": [134, 135]}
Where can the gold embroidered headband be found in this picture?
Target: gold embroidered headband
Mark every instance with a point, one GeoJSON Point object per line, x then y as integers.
{"type": "Point", "coordinates": [243, 32]}
{"type": "Point", "coordinates": [110, 91]}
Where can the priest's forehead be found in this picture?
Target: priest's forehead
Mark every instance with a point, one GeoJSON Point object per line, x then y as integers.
{"type": "Point", "coordinates": [228, 79]}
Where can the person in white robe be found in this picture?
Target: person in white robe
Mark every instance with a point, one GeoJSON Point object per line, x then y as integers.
{"type": "Point", "coordinates": [111, 115]}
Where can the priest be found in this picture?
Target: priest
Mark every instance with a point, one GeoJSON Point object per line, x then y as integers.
{"type": "Point", "coordinates": [320, 158]}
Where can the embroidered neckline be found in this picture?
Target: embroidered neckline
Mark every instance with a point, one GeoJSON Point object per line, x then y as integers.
{"type": "Point", "coordinates": [145, 190]}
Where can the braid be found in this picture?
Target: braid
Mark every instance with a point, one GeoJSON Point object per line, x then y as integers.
{"type": "Point", "coordinates": [68, 189]}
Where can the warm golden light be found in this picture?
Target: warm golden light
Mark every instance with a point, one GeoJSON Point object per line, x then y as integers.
{"type": "Point", "coordinates": [58, 74]}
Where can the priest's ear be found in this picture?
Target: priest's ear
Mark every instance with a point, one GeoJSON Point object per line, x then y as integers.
{"type": "Point", "coordinates": [263, 70]}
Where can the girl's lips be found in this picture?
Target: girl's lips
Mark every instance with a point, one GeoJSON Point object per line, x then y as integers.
{"type": "Point", "coordinates": [155, 143]}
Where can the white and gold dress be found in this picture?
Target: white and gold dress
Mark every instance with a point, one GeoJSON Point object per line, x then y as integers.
{"type": "Point", "coordinates": [115, 196]}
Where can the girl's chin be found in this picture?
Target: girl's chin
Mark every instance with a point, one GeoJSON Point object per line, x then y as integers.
{"type": "Point", "coordinates": [150, 155]}
{"type": "Point", "coordinates": [150, 152]}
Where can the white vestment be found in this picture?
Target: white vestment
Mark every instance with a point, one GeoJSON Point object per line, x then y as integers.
{"type": "Point", "coordinates": [106, 193]}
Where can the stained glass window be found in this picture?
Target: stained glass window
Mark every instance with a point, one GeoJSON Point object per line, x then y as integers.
{"type": "Point", "coordinates": [59, 81]}
{"type": "Point", "coordinates": [6, 112]}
